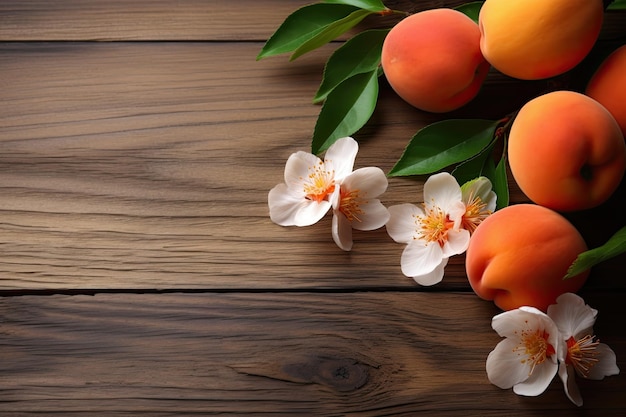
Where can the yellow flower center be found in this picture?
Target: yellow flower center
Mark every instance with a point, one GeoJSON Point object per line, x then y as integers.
{"type": "Point", "coordinates": [534, 348]}
{"type": "Point", "coordinates": [349, 204]}
{"type": "Point", "coordinates": [319, 183]}
{"type": "Point", "coordinates": [434, 226]}
{"type": "Point", "coordinates": [475, 213]}
{"type": "Point", "coordinates": [582, 354]}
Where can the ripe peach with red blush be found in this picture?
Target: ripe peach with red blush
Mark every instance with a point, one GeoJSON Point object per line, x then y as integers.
{"type": "Point", "coordinates": [432, 60]}
{"type": "Point", "coordinates": [608, 85]}
{"type": "Point", "coordinates": [566, 151]}
{"type": "Point", "coordinates": [519, 255]}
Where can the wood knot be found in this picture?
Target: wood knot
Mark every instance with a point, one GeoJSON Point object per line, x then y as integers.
{"type": "Point", "coordinates": [341, 374]}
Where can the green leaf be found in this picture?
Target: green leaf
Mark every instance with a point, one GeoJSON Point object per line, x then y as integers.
{"type": "Point", "coordinates": [501, 184]}
{"type": "Point", "coordinates": [358, 55]}
{"type": "Point", "coordinates": [346, 109]}
{"type": "Point", "coordinates": [616, 245]}
{"type": "Point", "coordinates": [473, 167]}
{"type": "Point", "coordinates": [376, 6]}
{"type": "Point", "coordinates": [617, 5]}
{"type": "Point", "coordinates": [442, 144]}
{"type": "Point", "coordinates": [330, 32]}
{"type": "Point", "coordinates": [472, 10]}
{"type": "Point", "coordinates": [302, 25]}
{"type": "Point", "coordinates": [497, 174]}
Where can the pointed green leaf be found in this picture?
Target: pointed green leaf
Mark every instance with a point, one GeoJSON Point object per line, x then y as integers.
{"type": "Point", "coordinates": [330, 32]}
{"type": "Point", "coordinates": [497, 174]}
{"type": "Point", "coordinates": [346, 109]}
{"type": "Point", "coordinates": [302, 25]}
{"type": "Point", "coordinates": [617, 5]}
{"type": "Point", "coordinates": [472, 10]}
{"type": "Point", "coordinates": [473, 167]}
{"type": "Point", "coordinates": [616, 245]}
{"type": "Point", "coordinates": [501, 184]}
{"type": "Point", "coordinates": [358, 55]}
{"type": "Point", "coordinates": [442, 144]}
{"type": "Point", "coordinates": [371, 5]}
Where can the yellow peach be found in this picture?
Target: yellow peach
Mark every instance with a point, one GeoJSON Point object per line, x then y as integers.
{"type": "Point", "coordinates": [432, 60]}
{"type": "Point", "coordinates": [519, 255]}
{"type": "Point", "coordinates": [566, 151]}
{"type": "Point", "coordinates": [608, 85]}
{"type": "Point", "coordinates": [536, 39]}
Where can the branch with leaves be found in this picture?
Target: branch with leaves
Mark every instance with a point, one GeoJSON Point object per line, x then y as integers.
{"type": "Point", "coordinates": [348, 95]}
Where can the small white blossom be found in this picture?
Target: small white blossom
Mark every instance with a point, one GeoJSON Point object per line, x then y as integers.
{"type": "Point", "coordinates": [581, 352]}
{"type": "Point", "coordinates": [431, 231]}
{"type": "Point", "coordinates": [355, 206]}
{"type": "Point", "coordinates": [527, 358]}
{"type": "Point", "coordinates": [305, 196]}
{"type": "Point", "coordinates": [479, 200]}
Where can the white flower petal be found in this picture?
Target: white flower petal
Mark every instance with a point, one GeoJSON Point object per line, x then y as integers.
{"type": "Point", "coordinates": [342, 231]}
{"type": "Point", "coordinates": [310, 212]}
{"type": "Point", "coordinates": [458, 241]}
{"type": "Point", "coordinates": [370, 181]}
{"type": "Point", "coordinates": [507, 324]}
{"type": "Point", "coordinates": [456, 211]}
{"type": "Point", "coordinates": [284, 205]}
{"type": "Point", "coordinates": [443, 191]}
{"type": "Point", "coordinates": [340, 157]}
{"type": "Point", "coordinates": [298, 168]}
{"type": "Point", "coordinates": [572, 316]}
{"type": "Point", "coordinates": [490, 202]}
{"type": "Point", "coordinates": [401, 225]}
{"type": "Point", "coordinates": [479, 187]}
{"type": "Point", "coordinates": [538, 381]}
{"type": "Point", "coordinates": [419, 258]}
{"type": "Point", "coordinates": [375, 215]}
{"type": "Point", "coordinates": [433, 277]}
{"type": "Point", "coordinates": [606, 365]}
{"type": "Point", "coordinates": [505, 369]}
{"type": "Point", "coordinates": [566, 374]}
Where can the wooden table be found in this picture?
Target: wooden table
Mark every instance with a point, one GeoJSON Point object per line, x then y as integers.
{"type": "Point", "coordinates": [140, 272]}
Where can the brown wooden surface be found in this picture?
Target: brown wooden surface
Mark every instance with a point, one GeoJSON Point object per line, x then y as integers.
{"type": "Point", "coordinates": [139, 270]}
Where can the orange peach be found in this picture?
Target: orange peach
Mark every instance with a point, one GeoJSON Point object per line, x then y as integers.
{"type": "Point", "coordinates": [536, 39]}
{"type": "Point", "coordinates": [566, 151]}
{"type": "Point", "coordinates": [432, 60]}
{"type": "Point", "coordinates": [519, 255]}
{"type": "Point", "coordinates": [608, 85]}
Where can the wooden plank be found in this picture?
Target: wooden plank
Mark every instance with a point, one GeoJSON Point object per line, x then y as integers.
{"type": "Point", "coordinates": [127, 165]}
{"type": "Point", "coordinates": [77, 20]}
{"type": "Point", "coordinates": [221, 20]}
{"type": "Point", "coordinates": [292, 353]}
{"type": "Point", "coordinates": [184, 20]}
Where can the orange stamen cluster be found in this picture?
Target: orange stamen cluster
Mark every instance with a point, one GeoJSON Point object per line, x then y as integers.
{"type": "Point", "coordinates": [349, 204]}
{"type": "Point", "coordinates": [475, 213]}
{"type": "Point", "coordinates": [582, 354]}
{"type": "Point", "coordinates": [534, 348]}
{"type": "Point", "coordinates": [434, 226]}
{"type": "Point", "coordinates": [320, 183]}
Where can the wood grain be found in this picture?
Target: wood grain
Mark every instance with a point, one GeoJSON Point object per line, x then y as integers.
{"type": "Point", "coordinates": [366, 354]}
{"type": "Point", "coordinates": [107, 20]}
{"type": "Point", "coordinates": [138, 171]}
{"type": "Point", "coordinates": [185, 20]}
{"type": "Point", "coordinates": [150, 167]}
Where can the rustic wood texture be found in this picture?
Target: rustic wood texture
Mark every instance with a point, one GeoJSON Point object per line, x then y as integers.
{"type": "Point", "coordinates": [140, 273]}
{"type": "Point", "coordinates": [365, 354]}
{"type": "Point", "coordinates": [154, 161]}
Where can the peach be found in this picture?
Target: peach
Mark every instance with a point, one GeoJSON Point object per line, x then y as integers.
{"type": "Point", "coordinates": [608, 85]}
{"type": "Point", "coordinates": [566, 151]}
{"type": "Point", "coordinates": [519, 255]}
{"type": "Point", "coordinates": [432, 60]}
{"type": "Point", "coordinates": [536, 39]}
